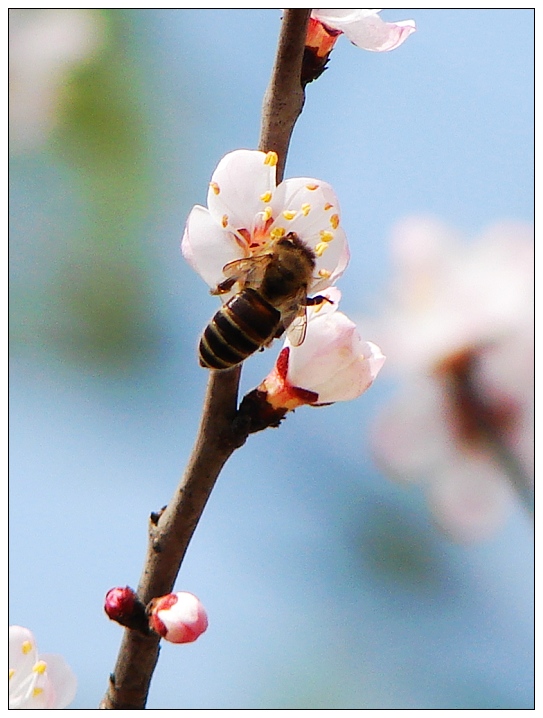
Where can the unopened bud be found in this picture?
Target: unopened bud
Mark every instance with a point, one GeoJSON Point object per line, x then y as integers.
{"type": "Point", "coordinates": [177, 617]}
{"type": "Point", "coordinates": [123, 605]}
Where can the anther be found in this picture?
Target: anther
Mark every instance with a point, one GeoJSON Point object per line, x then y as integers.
{"type": "Point", "coordinates": [306, 209]}
{"type": "Point", "coordinates": [215, 187]}
{"type": "Point", "coordinates": [319, 249]}
{"type": "Point", "coordinates": [326, 236]}
{"type": "Point", "coordinates": [271, 159]}
{"type": "Point", "coordinates": [324, 273]}
{"type": "Point", "coordinates": [277, 232]}
{"type": "Point", "coordinates": [26, 647]}
{"type": "Point", "coordinates": [328, 206]}
{"type": "Point", "coordinates": [225, 221]}
{"type": "Point", "coordinates": [312, 187]}
{"type": "Point", "coordinates": [266, 196]}
{"type": "Point", "coordinates": [289, 214]}
{"type": "Point", "coordinates": [40, 667]}
{"type": "Point", "coordinates": [334, 220]}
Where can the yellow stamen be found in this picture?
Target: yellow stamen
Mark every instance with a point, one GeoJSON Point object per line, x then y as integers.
{"type": "Point", "coordinates": [225, 221]}
{"type": "Point", "coordinates": [325, 274]}
{"type": "Point", "coordinates": [306, 209]}
{"type": "Point", "coordinates": [37, 691]}
{"type": "Point", "coordinates": [40, 667]}
{"type": "Point", "coordinates": [11, 673]}
{"type": "Point", "coordinates": [26, 647]}
{"type": "Point", "coordinates": [312, 187]}
{"type": "Point", "coordinates": [334, 220]}
{"type": "Point", "coordinates": [328, 206]}
{"type": "Point", "coordinates": [326, 236]}
{"type": "Point", "coordinates": [289, 214]}
{"type": "Point", "coordinates": [277, 232]}
{"type": "Point", "coordinates": [266, 196]}
{"type": "Point", "coordinates": [271, 159]}
{"type": "Point", "coordinates": [267, 214]}
{"type": "Point", "coordinates": [319, 249]}
{"type": "Point", "coordinates": [215, 187]}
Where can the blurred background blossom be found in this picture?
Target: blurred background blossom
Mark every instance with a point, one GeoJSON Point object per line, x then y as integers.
{"type": "Point", "coordinates": [351, 597]}
{"type": "Point", "coordinates": [459, 331]}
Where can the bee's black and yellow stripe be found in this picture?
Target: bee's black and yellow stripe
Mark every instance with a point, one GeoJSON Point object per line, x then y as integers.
{"type": "Point", "coordinates": [245, 323]}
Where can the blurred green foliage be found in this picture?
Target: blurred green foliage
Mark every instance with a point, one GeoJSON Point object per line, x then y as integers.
{"type": "Point", "coordinates": [396, 549]}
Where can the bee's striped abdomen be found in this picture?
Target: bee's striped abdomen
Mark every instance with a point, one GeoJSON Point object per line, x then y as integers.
{"type": "Point", "coordinates": [237, 330]}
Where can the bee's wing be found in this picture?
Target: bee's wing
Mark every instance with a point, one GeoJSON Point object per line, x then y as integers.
{"type": "Point", "coordinates": [295, 319]}
{"type": "Point", "coordinates": [245, 271]}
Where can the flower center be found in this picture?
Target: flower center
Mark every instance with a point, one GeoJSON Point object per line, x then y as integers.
{"type": "Point", "coordinates": [474, 417]}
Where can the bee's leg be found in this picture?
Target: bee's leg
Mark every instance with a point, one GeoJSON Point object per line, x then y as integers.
{"type": "Point", "coordinates": [224, 287]}
{"type": "Point", "coordinates": [319, 299]}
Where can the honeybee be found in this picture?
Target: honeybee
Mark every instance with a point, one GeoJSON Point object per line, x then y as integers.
{"type": "Point", "coordinates": [273, 298]}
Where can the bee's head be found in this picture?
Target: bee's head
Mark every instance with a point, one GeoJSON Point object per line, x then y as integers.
{"type": "Point", "coordinates": [291, 241]}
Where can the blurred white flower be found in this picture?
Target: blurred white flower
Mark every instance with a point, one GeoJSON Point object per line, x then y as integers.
{"type": "Point", "coordinates": [333, 363]}
{"type": "Point", "coordinates": [45, 46]}
{"type": "Point", "coordinates": [247, 212]}
{"type": "Point", "coordinates": [35, 681]}
{"type": "Point", "coordinates": [364, 28]}
{"type": "Point", "coordinates": [178, 617]}
{"type": "Point", "coordinates": [459, 331]}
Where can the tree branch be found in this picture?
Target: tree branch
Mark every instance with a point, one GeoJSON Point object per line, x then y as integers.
{"type": "Point", "coordinates": [219, 435]}
{"type": "Point", "coordinates": [285, 96]}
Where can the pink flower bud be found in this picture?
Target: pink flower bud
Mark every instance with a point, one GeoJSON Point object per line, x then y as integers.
{"type": "Point", "coordinates": [119, 602]}
{"type": "Point", "coordinates": [178, 617]}
{"type": "Point", "coordinates": [123, 605]}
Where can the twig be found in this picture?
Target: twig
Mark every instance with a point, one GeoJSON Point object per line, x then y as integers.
{"type": "Point", "coordinates": [219, 436]}
{"type": "Point", "coordinates": [284, 98]}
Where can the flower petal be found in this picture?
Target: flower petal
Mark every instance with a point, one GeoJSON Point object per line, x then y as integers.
{"type": "Point", "coordinates": [468, 498]}
{"type": "Point", "coordinates": [335, 18]}
{"type": "Point", "coordinates": [410, 436]}
{"type": "Point", "coordinates": [353, 379]}
{"type": "Point", "coordinates": [240, 186]}
{"type": "Point", "coordinates": [333, 361]}
{"type": "Point", "coordinates": [207, 247]}
{"type": "Point", "coordinates": [312, 204]}
{"type": "Point", "coordinates": [310, 208]}
{"type": "Point", "coordinates": [62, 679]}
{"type": "Point", "coordinates": [333, 260]}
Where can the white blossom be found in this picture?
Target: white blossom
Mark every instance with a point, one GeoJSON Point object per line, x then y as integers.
{"type": "Point", "coordinates": [37, 681]}
{"type": "Point", "coordinates": [458, 329]}
{"type": "Point", "coordinates": [246, 212]}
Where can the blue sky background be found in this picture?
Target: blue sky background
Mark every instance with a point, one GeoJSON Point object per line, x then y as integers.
{"type": "Point", "coordinates": [327, 586]}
